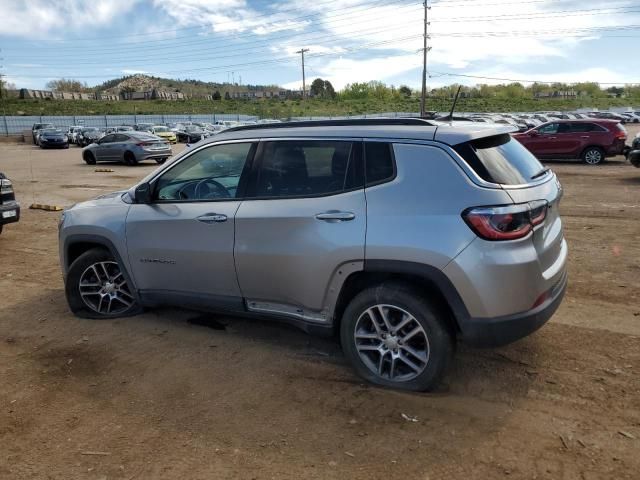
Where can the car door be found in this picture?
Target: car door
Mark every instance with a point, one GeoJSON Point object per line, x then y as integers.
{"type": "Point", "coordinates": [181, 244]}
{"type": "Point", "coordinates": [104, 152]}
{"type": "Point", "coordinates": [119, 146]}
{"type": "Point", "coordinates": [302, 226]}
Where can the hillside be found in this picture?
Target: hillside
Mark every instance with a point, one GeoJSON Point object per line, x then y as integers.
{"type": "Point", "coordinates": [191, 88]}
{"type": "Point", "coordinates": [294, 108]}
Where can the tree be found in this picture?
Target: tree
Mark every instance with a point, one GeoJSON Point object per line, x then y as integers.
{"type": "Point", "coordinates": [405, 91]}
{"type": "Point", "coordinates": [322, 89]}
{"type": "Point", "coordinates": [67, 85]}
{"type": "Point", "coordinates": [216, 95]}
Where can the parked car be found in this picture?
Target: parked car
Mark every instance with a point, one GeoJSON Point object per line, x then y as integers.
{"type": "Point", "coordinates": [52, 138]}
{"type": "Point", "coordinates": [89, 135]}
{"type": "Point", "coordinates": [143, 127]}
{"type": "Point", "coordinates": [164, 133]}
{"type": "Point", "coordinates": [609, 116]}
{"type": "Point", "coordinates": [632, 117]}
{"type": "Point", "coordinates": [9, 208]}
{"type": "Point", "coordinates": [72, 133]}
{"type": "Point", "coordinates": [431, 240]}
{"type": "Point", "coordinates": [129, 147]}
{"type": "Point", "coordinates": [120, 128]}
{"type": "Point", "coordinates": [190, 134]}
{"type": "Point", "coordinates": [589, 140]}
{"type": "Point", "coordinates": [634, 152]}
{"type": "Point", "coordinates": [35, 130]}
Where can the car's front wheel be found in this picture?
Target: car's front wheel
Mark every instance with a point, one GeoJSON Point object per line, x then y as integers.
{"type": "Point", "coordinates": [161, 160]}
{"type": "Point", "coordinates": [396, 338]}
{"type": "Point", "coordinates": [89, 158]}
{"type": "Point", "coordinates": [593, 156]}
{"type": "Point", "coordinates": [97, 287]}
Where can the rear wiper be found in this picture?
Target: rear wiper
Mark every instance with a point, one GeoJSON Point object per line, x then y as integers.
{"type": "Point", "coordinates": [541, 173]}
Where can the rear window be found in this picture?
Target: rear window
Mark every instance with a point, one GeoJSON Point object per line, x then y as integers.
{"type": "Point", "coordinates": [500, 159]}
{"type": "Point", "coordinates": [379, 162]}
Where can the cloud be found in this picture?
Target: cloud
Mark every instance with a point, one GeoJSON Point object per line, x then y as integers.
{"type": "Point", "coordinates": [228, 16]}
{"type": "Point", "coordinates": [33, 18]}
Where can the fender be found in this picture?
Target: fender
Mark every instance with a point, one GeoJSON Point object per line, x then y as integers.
{"type": "Point", "coordinates": [429, 273]}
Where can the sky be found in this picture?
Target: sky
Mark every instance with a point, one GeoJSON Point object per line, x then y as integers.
{"type": "Point", "coordinates": [255, 42]}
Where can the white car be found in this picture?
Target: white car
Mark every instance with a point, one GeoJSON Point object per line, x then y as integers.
{"type": "Point", "coordinates": [632, 116]}
{"type": "Point", "coordinates": [72, 133]}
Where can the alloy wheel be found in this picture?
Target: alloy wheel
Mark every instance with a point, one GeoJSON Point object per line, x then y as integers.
{"type": "Point", "coordinates": [104, 289]}
{"type": "Point", "coordinates": [391, 343]}
{"type": "Point", "coordinates": [593, 157]}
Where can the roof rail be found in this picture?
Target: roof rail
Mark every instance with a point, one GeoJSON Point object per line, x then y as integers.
{"type": "Point", "coordinates": [335, 123]}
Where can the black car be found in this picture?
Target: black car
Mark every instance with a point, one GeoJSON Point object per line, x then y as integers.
{"type": "Point", "coordinates": [88, 136]}
{"type": "Point", "coordinates": [53, 138]}
{"type": "Point", "coordinates": [9, 208]}
{"type": "Point", "coordinates": [634, 153]}
{"type": "Point", "coordinates": [190, 134]}
{"type": "Point", "coordinates": [36, 129]}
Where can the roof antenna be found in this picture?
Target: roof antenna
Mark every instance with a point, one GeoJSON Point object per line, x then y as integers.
{"type": "Point", "coordinates": [449, 118]}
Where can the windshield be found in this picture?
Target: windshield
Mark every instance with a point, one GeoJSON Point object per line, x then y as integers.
{"type": "Point", "coordinates": [500, 159]}
{"type": "Point", "coordinates": [160, 129]}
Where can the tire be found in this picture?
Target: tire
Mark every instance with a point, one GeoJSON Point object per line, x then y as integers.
{"type": "Point", "coordinates": [161, 160]}
{"type": "Point", "coordinates": [89, 158]}
{"type": "Point", "coordinates": [382, 361]}
{"type": "Point", "coordinates": [593, 156]}
{"type": "Point", "coordinates": [1, 229]}
{"type": "Point", "coordinates": [97, 266]}
{"type": "Point", "coordinates": [130, 159]}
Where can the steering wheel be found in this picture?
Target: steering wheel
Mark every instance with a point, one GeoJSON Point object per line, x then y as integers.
{"type": "Point", "coordinates": [214, 189]}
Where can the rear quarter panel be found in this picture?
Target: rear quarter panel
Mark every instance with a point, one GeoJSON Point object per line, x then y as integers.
{"type": "Point", "coordinates": [417, 216]}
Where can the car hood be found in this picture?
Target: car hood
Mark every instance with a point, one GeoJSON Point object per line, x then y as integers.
{"type": "Point", "coordinates": [108, 199]}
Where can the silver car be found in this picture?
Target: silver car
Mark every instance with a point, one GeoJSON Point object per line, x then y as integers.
{"type": "Point", "coordinates": [130, 147]}
{"type": "Point", "coordinates": [403, 236]}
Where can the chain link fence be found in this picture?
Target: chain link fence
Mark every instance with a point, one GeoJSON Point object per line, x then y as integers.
{"type": "Point", "coordinates": [17, 125]}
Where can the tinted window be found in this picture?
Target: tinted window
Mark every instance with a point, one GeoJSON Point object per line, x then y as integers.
{"type": "Point", "coordinates": [500, 159]}
{"type": "Point", "coordinates": [107, 139]}
{"type": "Point", "coordinates": [209, 174]}
{"type": "Point", "coordinates": [306, 167]}
{"type": "Point", "coordinates": [120, 138]}
{"type": "Point", "coordinates": [378, 162]}
{"type": "Point", "coordinates": [582, 127]}
{"type": "Point", "coordinates": [549, 129]}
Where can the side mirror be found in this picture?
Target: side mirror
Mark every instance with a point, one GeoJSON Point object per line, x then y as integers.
{"type": "Point", "coordinates": [143, 193]}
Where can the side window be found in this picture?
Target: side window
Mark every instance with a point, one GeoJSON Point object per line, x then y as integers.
{"type": "Point", "coordinates": [581, 127]}
{"type": "Point", "coordinates": [209, 174]}
{"type": "Point", "coordinates": [564, 128]}
{"type": "Point", "coordinates": [550, 129]}
{"type": "Point", "coordinates": [306, 168]}
{"type": "Point", "coordinates": [378, 162]}
{"type": "Point", "coordinates": [107, 139]}
{"type": "Point", "coordinates": [119, 137]}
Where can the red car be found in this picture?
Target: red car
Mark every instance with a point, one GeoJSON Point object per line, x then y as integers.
{"type": "Point", "coordinates": [590, 140]}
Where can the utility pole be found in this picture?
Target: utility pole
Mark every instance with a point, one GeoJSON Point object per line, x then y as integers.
{"type": "Point", "coordinates": [304, 89]}
{"type": "Point", "coordinates": [425, 49]}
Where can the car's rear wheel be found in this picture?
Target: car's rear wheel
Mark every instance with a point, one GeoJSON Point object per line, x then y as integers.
{"type": "Point", "coordinates": [89, 158]}
{"type": "Point", "coordinates": [130, 158]}
{"type": "Point", "coordinates": [97, 287]}
{"type": "Point", "coordinates": [161, 160]}
{"type": "Point", "coordinates": [593, 156]}
{"type": "Point", "coordinates": [394, 337]}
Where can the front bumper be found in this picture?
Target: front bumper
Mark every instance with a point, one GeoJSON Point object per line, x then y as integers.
{"type": "Point", "coordinates": [494, 332]}
{"type": "Point", "coordinates": [46, 144]}
{"type": "Point", "coordinates": [634, 158]}
{"type": "Point", "coordinates": [5, 211]}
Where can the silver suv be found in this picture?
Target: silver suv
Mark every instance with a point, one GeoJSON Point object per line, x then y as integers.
{"type": "Point", "coordinates": [401, 235]}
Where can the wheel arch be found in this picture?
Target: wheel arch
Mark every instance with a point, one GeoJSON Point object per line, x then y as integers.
{"type": "Point", "coordinates": [588, 147]}
{"type": "Point", "coordinates": [78, 244]}
{"type": "Point", "coordinates": [428, 279]}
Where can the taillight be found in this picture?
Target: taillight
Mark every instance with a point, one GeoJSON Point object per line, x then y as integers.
{"type": "Point", "coordinates": [506, 222]}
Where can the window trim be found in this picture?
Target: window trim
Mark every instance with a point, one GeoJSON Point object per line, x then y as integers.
{"type": "Point", "coordinates": [393, 176]}
{"type": "Point", "coordinates": [242, 182]}
{"type": "Point", "coordinates": [257, 164]}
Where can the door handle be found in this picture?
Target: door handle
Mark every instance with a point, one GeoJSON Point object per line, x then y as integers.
{"type": "Point", "coordinates": [212, 218]}
{"type": "Point", "coordinates": [585, 136]}
{"type": "Point", "coordinates": [336, 216]}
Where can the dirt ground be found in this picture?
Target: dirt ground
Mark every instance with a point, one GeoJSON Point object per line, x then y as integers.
{"type": "Point", "coordinates": [159, 396]}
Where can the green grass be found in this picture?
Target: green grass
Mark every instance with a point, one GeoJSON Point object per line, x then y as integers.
{"type": "Point", "coordinates": [297, 108]}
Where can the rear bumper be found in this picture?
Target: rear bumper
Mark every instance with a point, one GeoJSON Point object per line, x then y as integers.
{"type": "Point", "coordinates": [616, 149]}
{"type": "Point", "coordinates": [9, 207]}
{"type": "Point", "coordinates": [494, 332]}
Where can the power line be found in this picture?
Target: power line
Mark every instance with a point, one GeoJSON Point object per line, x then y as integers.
{"type": "Point", "coordinates": [536, 16]}
{"type": "Point", "coordinates": [157, 32]}
{"type": "Point", "coordinates": [519, 80]}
